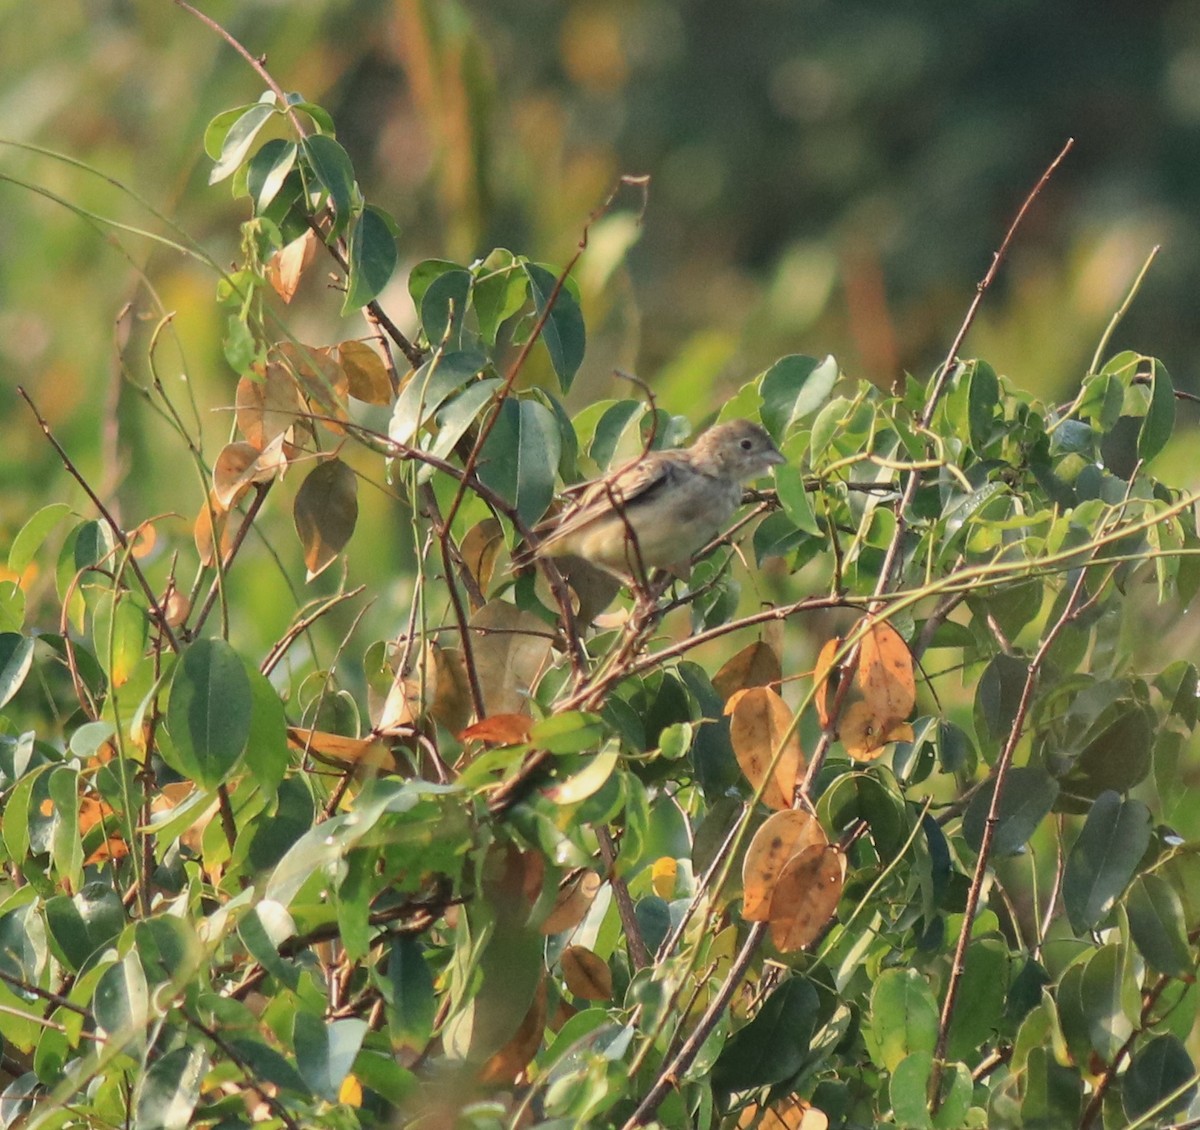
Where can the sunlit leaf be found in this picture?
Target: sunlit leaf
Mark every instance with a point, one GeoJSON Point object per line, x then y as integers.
{"type": "Point", "coordinates": [756, 665]}
{"type": "Point", "coordinates": [805, 897]}
{"type": "Point", "coordinates": [783, 835]}
{"type": "Point", "coordinates": [373, 258]}
{"type": "Point", "coordinates": [762, 725]}
{"type": "Point", "coordinates": [366, 374]}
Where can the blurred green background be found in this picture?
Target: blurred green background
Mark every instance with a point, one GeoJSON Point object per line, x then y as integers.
{"type": "Point", "coordinates": [825, 177]}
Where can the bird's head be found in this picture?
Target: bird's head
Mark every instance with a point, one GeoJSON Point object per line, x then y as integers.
{"type": "Point", "coordinates": [737, 450]}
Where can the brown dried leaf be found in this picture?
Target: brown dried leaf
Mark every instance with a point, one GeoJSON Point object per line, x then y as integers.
{"type": "Point", "coordinates": [586, 975]}
{"type": "Point", "coordinates": [762, 723]}
{"type": "Point", "coordinates": [366, 375]}
{"type": "Point", "coordinates": [202, 531]}
{"type": "Point", "coordinates": [403, 706]}
{"type": "Point", "coordinates": [451, 704]}
{"type": "Point", "coordinates": [367, 753]}
{"type": "Point", "coordinates": [865, 734]}
{"type": "Point", "coordinates": [499, 729]}
{"type": "Point", "coordinates": [806, 895]}
{"type": "Point", "coordinates": [782, 836]}
{"type": "Point", "coordinates": [267, 405]}
{"type": "Point", "coordinates": [325, 513]}
{"type": "Point", "coordinates": [480, 548]}
{"type": "Point", "coordinates": [885, 672]}
{"type": "Point", "coordinates": [144, 539]}
{"type": "Point", "coordinates": [506, 1064]}
{"type": "Point", "coordinates": [825, 686]}
{"type": "Point", "coordinates": [575, 896]}
{"type": "Point", "coordinates": [756, 665]}
{"type": "Point", "coordinates": [512, 649]}
{"type": "Point", "coordinates": [286, 267]}
{"type": "Point", "coordinates": [320, 379]}
{"type": "Point", "coordinates": [240, 464]}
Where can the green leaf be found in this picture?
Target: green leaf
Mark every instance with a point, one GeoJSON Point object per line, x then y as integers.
{"type": "Point", "coordinates": [1157, 925]}
{"type": "Point", "coordinates": [422, 276]}
{"type": "Point", "coordinates": [266, 746]}
{"type": "Point", "coordinates": [237, 139]}
{"type": "Point", "coordinates": [1159, 1069]}
{"type": "Point", "coordinates": [572, 731]}
{"type": "Point", "coordinates": [997, 697]}
{"type": "Point", "coordinates": [457, 416]}
{"type": "Point", "coordinates": [563, 332]}
{"type": "Point", "coordinates": [1118, 758]}
{"type": "Point", "coordinates": [908, 1091]}
{"type": "Point", "coordinates": [325, 1051]}
{"type": "Point", "coordinates": [81, 924]}
{"type": "Point", "coordinates": [903, 1018]}
{"type": "Point", "coordinates": [325, 513]}
{"type": "Point", "coordinates": [1109, 998]}
{"type": "Point", "coordinates": [410, 994]}
{"type": "Point", "coordinates": [1052, 1093]}
{"type": "Point", "coordinates": [1103, 859]}
{"type": "Point", "coordinates": [16, 657]}
{"type": "Point", "coordinates": [31, 536]}
{"type": "Point", "coordinates": [983, 398]}
{"type": "Point", "coordinates": [793, 388]}
{"type": "Point", "coordinates": [498, 293]}
{"type": "Point", "coordinates": [167, 1094]}
{"type": "Point", "coordinates": [981, 997]}
{"type": "Point", "coordinates": [373, 258]}
{"type": "Point", "coordinates": [119, 630]}
{"type": "Point", "coordinates": [443, 307]}
{"type": "Point", "coordinates": [1159, 420]}
{"type": "Point", "coordinates": [330, 164]}
{"type": "Point", "coordinates": [268, 1064]}
{"type": "Point", "coordinates": [1028, 797]}
{"type": "Point", "coordinates": [209, 712]}
{"type": "Point", "coordinates": [268, 169]}
{"type": "Point", "coordinates": [427, 389]}
{"type": "Point", "coordinates": [121, 1004]}
{"type": "Point", "coordinates": [520, 458]}
{"type": "Point", "coordinates": [794, 498]}
{"type": "Point", "coordinates": [774, 1045]}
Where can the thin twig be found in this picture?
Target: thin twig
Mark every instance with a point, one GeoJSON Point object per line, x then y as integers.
{"type": "Point", "coordinates": [1003, 764]}
{"type": "Point", "coordinates": [639, 955]}
{"type": "Point", "coordinates": [260, 496]}
{"type": "Point", "coordinates": [159, 614]}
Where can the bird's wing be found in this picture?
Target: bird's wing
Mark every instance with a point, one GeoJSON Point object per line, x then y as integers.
{"type": "Point", "coordinates": [634, 481]}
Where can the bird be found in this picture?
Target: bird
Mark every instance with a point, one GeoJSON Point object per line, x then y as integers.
{"type": "Point", "coordinates": [659, 509]}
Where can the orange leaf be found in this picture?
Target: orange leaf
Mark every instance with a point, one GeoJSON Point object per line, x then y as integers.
{"type": "Point", "coordinates": [112, 848]}
{"type": "Point", "coordinates": [806, 896]}
{"type": "Point", "coordinates": [826, 685]}
{"type": "Point", "coordinates": [586, 975]}
{"type": "Point", "coordinates": [366, 376]}
{"type": "Point", "coordinates": [363, 752]}
{"type": "Point", "coordinates": [499, 729]}
{"type": "Point", "coordinates": [783, 835]}
{"type": "Point", "coordinates": [756, 665]}
{"type": "Point", "coordinates": [202, 532]}
{"type": "Point", "coordinates": [320, 379]}
{"type": "Point", "coordinates": [268, 404]}
{"type": "Point", "coordinates": [761, 724]}
{"type": "Point", "coordinates": [288, 264]}
{"type": "Point", "coordinates": [663, 875]}
{"type": "Point", "coordinates": [790, 1113]}
{"type": "Point", "coordinates": [325, 513]}
{"type": "Point", "coordinates": [885, 672]}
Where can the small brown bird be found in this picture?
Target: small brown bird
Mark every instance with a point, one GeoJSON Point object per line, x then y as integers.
{"type": "Point", "coordinates": [659, 509]}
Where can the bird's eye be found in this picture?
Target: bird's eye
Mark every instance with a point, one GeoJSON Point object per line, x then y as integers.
{"type": "Point", "coordinates": [747, 443]}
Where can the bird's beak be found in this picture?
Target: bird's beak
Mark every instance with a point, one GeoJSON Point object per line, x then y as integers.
{"type": "Point", "coordinates": [775, 457]}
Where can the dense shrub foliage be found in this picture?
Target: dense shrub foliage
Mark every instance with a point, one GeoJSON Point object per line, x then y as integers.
{"type": "Point", "coordinates": [874, 816]}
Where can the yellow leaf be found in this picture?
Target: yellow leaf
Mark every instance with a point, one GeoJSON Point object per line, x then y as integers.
{"type": "Point", "coordinates": [885, 672]}
{"type": "Point", "coordinates": [865, 734]}
{"type": "Point", "coordinates": [756, 665]}
{"type": "Point", "coordinates": [824, 684]}
{"type": "Point", "coordinates": [366, 375]}
{"type": "Point", "coordinates": [663, 875]}
{"type": "Point", "coordinates": [350, 1092]}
